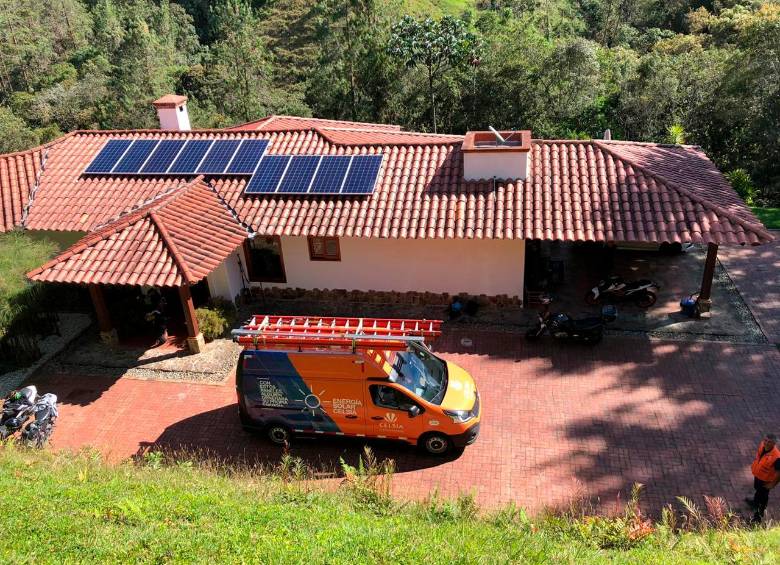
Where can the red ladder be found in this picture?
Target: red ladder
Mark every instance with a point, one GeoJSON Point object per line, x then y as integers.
{"type": "Point", "coordinates": [319, 332]}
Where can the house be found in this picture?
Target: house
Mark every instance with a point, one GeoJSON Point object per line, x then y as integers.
{"type": "Point", "coordinates": [447, 213]}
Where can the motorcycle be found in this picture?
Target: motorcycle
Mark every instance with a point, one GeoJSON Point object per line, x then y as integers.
{"type": "Point", "coordinates": [22, 405]}
{"type": "Point", "coordinates": [38, 432]}
{"type": "Point", "coordinates": [562, 326]}
{"type": "Point", "coordinates": [17, 408]}
{"type": "Point", "coordinates": [613, 289]}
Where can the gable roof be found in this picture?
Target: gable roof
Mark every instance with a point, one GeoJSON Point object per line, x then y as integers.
{"type": "Point", "coordinates": [292, 123]}
{"type": "Point", "coordinates": [177, 238]}
{"type": "Point", "coordinates": [575, 191]}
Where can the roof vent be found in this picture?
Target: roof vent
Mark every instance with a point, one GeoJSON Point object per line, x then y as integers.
{"type": "Point", "coordinates": [172, 111]}
{"type": "Point", "coordinates": [496, 154]}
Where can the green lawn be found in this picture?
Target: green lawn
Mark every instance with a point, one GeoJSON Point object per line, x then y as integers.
{"type": "Point", "coordinates": [769, 216]}
{"type": "Point", "coordinates": [60, 508]}
{"type": "Point", "coordinates": [19, 253]}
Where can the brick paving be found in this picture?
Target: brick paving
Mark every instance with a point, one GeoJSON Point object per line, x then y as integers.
{"type": "Point", "coordinates": [755, 271]}
{"type": "Point", "coordinates": [561, 421]}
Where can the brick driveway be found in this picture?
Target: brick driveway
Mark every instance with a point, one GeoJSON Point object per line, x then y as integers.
{"type": "Point", "coordinates": [560, 421]}
{"type": "Point", "coordinates": [756, 272]}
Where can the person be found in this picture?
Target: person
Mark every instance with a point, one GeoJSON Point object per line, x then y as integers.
{"type": "Point", "coordinates": [160, 321]}
{"type": "Point", "coordinates": [766, 473]}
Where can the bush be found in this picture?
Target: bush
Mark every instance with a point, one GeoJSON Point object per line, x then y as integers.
{"type": "Point", "coordinates": [212, 323]}
{"type": "Point", "coordinates": [741, 182]}
{"type": "Point", "coordinates": [226, 308]}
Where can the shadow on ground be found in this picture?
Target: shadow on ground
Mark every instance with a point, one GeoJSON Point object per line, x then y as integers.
{"type": "Point", "coordinates": [217, 436]}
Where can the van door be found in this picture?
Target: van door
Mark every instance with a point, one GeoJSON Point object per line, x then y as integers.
{"type": "Point", "coordinates": [343, 401]}
{"type": "Point", "coordinates": [388, 413]}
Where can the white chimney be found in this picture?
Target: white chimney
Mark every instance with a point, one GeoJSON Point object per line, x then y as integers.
{"type": "Point", "coordinates": [172, 111]}
{"type": "Point", "coordinates": [607, 134]}
{"type": "Point", "coordinates": [502, 155]}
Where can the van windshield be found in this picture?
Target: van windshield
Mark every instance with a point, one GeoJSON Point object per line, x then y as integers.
{"type": "Point", "coordinates": [420, 372]}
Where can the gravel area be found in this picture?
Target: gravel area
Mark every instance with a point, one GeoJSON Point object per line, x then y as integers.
{"type": "Point", "coordinates": [91, 357]}
{"type": "Point", "coordinates": [71, 326]}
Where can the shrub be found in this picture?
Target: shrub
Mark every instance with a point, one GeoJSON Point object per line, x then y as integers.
{"type": "Point", "coordinates": [741, 182]}
{"type": "Point", "coordinates": [226, 308]}
{"type": "Point", "coordinates": [212, 323]}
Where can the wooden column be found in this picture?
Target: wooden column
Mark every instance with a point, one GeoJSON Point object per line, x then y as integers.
{"type": "Point", "coordinates": [107, 332]}
{"type": "Point", "coordinates": [705, 301]}
{"type": "Point", "coordinates": [709, 272]}
{"type": "Point", "coordinates": [189, 311]}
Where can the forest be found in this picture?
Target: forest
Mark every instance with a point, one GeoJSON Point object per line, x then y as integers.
{"type": "Point", "coordinates": [676, 71]}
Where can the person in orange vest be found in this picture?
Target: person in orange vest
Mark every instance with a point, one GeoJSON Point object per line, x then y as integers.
{"type": "Point", "coordinates": [766, 470]}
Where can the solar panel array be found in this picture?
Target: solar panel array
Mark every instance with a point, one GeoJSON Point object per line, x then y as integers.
{"type": "Point", "coordinates": [315, 174]}
{"type": "Point", "coordinates": [178, 156]}
{"type": "Point", "coordinates": [270, 174]}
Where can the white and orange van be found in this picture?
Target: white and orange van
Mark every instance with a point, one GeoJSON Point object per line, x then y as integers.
{"type": "Point", "coordinates": [361, 377]}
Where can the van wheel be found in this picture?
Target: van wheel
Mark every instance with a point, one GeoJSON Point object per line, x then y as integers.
{"type": "Point", "coordinates": [278, 434]}
{"type": "Point", "coordinates": [436, 444]}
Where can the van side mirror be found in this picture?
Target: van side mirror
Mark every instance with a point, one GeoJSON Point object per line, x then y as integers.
{"type": "Point", "coordinates": [414, 410]}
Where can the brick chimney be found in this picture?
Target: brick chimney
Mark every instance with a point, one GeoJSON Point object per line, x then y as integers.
{"type": "Point", "coordinates": [172, 111]}
{"type": "Point", "coordinates": [496, 154]}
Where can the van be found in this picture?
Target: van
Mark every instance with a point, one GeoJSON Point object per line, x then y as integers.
{"type": "Point", "coordinates": [359, 377]}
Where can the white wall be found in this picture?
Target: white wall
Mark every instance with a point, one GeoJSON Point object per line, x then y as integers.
{"type": "Point", "coordinates": [225, 281]}
{"type": "Point", "coordinates": [500, 164]}
{"type": "Point", "coordinates": [473, 266]}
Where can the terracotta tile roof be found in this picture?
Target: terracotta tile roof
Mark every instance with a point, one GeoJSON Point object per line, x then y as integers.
{"type": "Point", "coordinates": [349, 136]}
{"type": "Point", "coordinates": [293, 123]}
{"type": "Point", "coordinates": [18, 175]}
{"type": "Point", "coordinates": [576, 190]}
{"type": "Point", "coordinates": [179, 237]}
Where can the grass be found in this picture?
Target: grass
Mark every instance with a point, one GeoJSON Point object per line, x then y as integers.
{"type": "Point", "coordinates": [769, 216]}
{"type": "Point", "coordinates": [19, 253]}
{"type": "Point", "coordinates": [438, 8]}
{"type": "Point", "coordinates": [74, 508]}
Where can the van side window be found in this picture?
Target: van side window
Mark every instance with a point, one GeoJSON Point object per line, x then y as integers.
{"type": "Point", "coordinates": [388, 397]}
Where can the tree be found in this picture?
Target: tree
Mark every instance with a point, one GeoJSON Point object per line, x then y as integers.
{"type": "Point", "coordinates": [435, 45]}
{"type": "Point", "coordinates": [14, 133]}
{"type": "Point", "coordinates": [355, 72]}
{"type": "Point", "coordinates": [239, 69]}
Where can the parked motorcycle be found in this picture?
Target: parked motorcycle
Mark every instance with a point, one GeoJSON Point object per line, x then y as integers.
{"type": "Point", "coordinates": [614, 289]}
{"type": "Point", "coordinates": [22, 405]}
{"type": "Point", "coordinates": [38, 432]}
{"type": "Point", "coordinates": [17, 409]}
{"type": "Point", "coordinates": [562, 326]}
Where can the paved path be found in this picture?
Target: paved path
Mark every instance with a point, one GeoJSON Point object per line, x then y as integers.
{"type": "Point", "coordinates": [756, 272]}
{"type": "Point", "coordinates": [561, 421]}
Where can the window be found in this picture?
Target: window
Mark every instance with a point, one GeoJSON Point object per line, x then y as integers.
{"type": "Point", "coordinates": [420, 372]}
{"type": "Point", "coordinates": [264, 262]}
{"type": "Point", "coordinates": [388, 397]}
{"type": "Point", "coordinates": [324, 249]}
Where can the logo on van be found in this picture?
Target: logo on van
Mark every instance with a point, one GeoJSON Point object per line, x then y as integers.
{"type": "Point", "coordinates": [391, 422]}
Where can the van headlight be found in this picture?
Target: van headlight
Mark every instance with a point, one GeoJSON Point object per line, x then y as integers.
{"type": "Point", "coordinates": [459, 416]}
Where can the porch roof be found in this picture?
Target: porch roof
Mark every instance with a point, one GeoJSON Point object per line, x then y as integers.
{"type": "Point", "coordinates": [177, 238]}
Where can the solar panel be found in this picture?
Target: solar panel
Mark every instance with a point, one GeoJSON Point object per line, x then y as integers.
{"type": "Point", "coordinates": [362, 174]}
{"type": "Point", "coordinates": [247, 157]}
{"type": "Point", "coordinates": [163, 156]}
{"type": "Point", "coordinates": [330, 175]}
{"type": "Point", "coordinates": [108, 156]}
{"type": "Point", "coordinates": [191, 156]}
{"type": "Point", "coordinates": [299, 174]}
{"type": "Point", "coordinates": [136, 156]}
{"type": "Point", "coordinates": [267, 175]}
{"type": "Point", "coordinates": [219, 156]}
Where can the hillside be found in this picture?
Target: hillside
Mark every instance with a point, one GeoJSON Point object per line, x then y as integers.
{"type": "Point", "coordinates": [62, 508]}
{"type": "Point", "coordinates": [437, 8]}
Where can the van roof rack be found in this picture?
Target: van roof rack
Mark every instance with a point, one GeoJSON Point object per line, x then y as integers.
{"type": "Point", "coordinates": [333, 332]}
